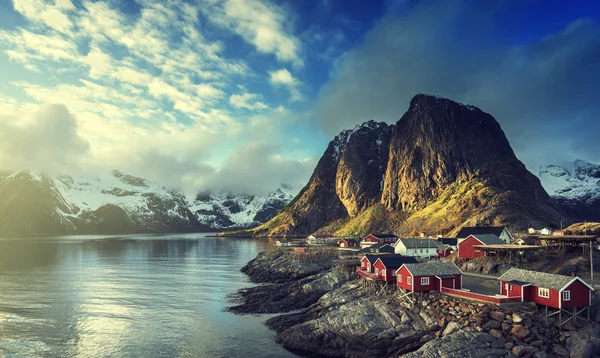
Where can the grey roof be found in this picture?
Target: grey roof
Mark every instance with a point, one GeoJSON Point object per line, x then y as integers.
{"type": "Point", "coordinates": [372, 258]}
{"type": "Point", "coordinates": [480, 230]}
{"type": "Point", "coordinates": [448, 241]}
{"type": "Point", "coordinates": [378, 248]}
{"type": "Point", "coordinates": [423, 243]}
{"type": "Point", "coordinates": [433, 268]}
{"type": "Point", "coordinates": [539, 279]}
{"type": "Point", "coordinates": [518, 283]}
{"type": "Point", "coordinates": [395, 261]}
{"type": "Point", "coordinates": [490, 239]}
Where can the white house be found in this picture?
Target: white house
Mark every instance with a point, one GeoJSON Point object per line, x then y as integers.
{"type": "Point", "coordinates": [424, 247]}
{"type": "Point", "coordinates": [533, 231]}
{"type": "Point", "coordinates": [546, 231]}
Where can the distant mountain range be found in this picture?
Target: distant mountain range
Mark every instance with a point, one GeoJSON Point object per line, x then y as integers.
{"type": "Point", "coordinates": [118, 203]}
{"type": "Point", "coordinates": [443, 165]}
{"type": "Point", "coordinates": [576, 187]}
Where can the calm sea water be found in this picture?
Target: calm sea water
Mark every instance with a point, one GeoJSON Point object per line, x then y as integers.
{"type": "Point", "coordinates": [128, 296]}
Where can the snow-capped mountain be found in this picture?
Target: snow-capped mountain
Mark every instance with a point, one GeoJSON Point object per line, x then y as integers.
{"type": "Point", "coordinates": [32, 203]}
{"type": "Point", "coordinates": [224, 211]}
{"type": "Point", "coordinates": [576, 187]}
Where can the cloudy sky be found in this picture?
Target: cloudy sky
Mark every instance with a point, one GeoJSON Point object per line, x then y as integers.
{"type": "Point", "coordinates": [244, 95]}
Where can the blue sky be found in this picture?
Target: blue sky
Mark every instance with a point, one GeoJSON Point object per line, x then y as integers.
{"type": "Point", "coordinates": [244, 95]}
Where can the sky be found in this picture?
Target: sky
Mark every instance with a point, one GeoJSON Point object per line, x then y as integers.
{"type": "Point", "coordinates": [244, 95]}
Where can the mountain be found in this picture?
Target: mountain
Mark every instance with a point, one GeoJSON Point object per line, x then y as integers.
{"type": "Point", "coordinates": [576, 187]}
{"type": "Point", "coordinates": [226, 211]}
{"type": "Point", "coordinates": [443, 165]}
{"type": "Point", "coordinates": [33, 204]}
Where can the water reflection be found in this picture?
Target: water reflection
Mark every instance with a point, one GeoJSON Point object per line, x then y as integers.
{"type": "Point", "coordinates": [148, 296]}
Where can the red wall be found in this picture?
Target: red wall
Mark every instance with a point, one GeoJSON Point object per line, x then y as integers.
{"type": "Point", "coordinates": [514, 292]}
{"type": "Point", "coordinates": [551, 301]}
{"type": "Point", "coordinates": [466, 250]}
{"type": "Point", "coordinates": [371, 238]}
{"type": "Point", "coordinates": [364, 264]}
{"type": "Point", "coordinates": [405, 275]}
{"type": "Point", "coordinates": [580, 295]}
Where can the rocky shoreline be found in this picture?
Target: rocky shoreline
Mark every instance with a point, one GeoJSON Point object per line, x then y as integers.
{"type": "Point", "coordinates": [337, 315]}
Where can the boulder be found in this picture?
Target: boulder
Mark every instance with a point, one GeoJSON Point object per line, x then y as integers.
{"type": "Point", "coordinates": [451, 328]}
{"type": "Point", "coordinates": [560, 351]}
{"type": "Point", "coordinates": [522, 351]}
{"type": "Point", "coordinates": [497, 315]}
{"type": "Point", "coordinates": [496, 333]}
{"type": "Point", "coordinates": [498, 343]}
{"type": "Point", "coordinates": [516, 318]}
{"type": "Point", "coordinates": [491, 324]}
{"type": "Point", "coordinates": [520, 331]}
{"type": "Point", "coordinates": [460, 344]}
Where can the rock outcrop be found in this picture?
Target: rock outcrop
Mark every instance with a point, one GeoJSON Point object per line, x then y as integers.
{"type": "Point", "coordinates": [441, 166]}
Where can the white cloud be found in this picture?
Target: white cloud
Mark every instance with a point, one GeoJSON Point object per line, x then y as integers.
{"type": "Point", "coordinates": [47, 141]}
{"type": "Point", "coordinates": [50, 14]}
{"type": "Point", "coordinates": [247, 100]}
{"type": "Point", "coordinates": [258, 22]}
{"type": "Point", "coordinates": [283, 77]}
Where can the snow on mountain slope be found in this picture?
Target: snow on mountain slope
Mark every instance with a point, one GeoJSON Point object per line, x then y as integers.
{"type": "Point", "coordinates": [578, 181]}
{"type": "Point", "coordinates": [235, 211]}
{"type": "Point", "coordinates": [115, 203]}
{"type": "Point", "coordinates": [576, 188]}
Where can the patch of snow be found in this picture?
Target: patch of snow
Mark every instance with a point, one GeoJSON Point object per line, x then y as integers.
{"type": "Point", "coordinates": [575, 182]}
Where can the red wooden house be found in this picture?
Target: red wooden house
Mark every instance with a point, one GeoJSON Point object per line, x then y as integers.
{"type": "Point", "coordinates": [348, 243]}
{"type": "Point", "coordinates": [367, 262]}
{"type": "Point", "coordinates": [466, 249]}
{"type": "Point", "coordinates": [386, 266]}
{"type": "Point", "coordinates": [444, 250]}
{"type": "Point", "coordinates": [429, 276]}
{"type": "Point", "coordinates": [557, 291]}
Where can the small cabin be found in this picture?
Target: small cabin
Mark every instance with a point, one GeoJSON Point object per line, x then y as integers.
{"type": "Point", "coordinates": [348, 243]}
{"type": "Point", "coordinates": [556, 291]}
{"type": "Point", "coordinates": [500, 231]}
{"type": "Point", "coordinates": [430, 276]}
{"type": "Point", "coordinates": [467, 249]}
{"type": "Point", "coordinates": [444, 250]}
{"type": "Point", "coordinates": [386, 266]}
{"type": "Point", "coordinates": [546, 231]}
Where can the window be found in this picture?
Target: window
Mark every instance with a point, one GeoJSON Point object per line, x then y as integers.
{"type": "Point", "coordinates": [376, 271]}
{"type": "Point", "coordinates": [543, 292]}
{"type": "Point", "coordinates": [409, 280]}
{"type": "Point", "coordinates": [394, 273]}
{"type": "Point", "coordinates": [566, 295]}
{"type": "Point", "coordinates": [425, 281]}
{"type": "Point", "coordinates": [400, 278]}
{"type": "Point", "coordinates": [510, 287]}
{"type": "Point", "coordinates": [369, 267]}
{"type": "Point", "coordinates": [383, 272]}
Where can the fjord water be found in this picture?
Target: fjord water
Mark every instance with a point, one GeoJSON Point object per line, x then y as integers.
{"type": "Point", "coordinates": [128, 296]}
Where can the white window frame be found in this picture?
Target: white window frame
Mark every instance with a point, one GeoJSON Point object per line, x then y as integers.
{"type": "Point", "coordinates": [543, 292]}
{"type": "Point", "coordinates": [425, 281]}
{"type": "Point", "coordinates": [368, 266]}
{"type": "Point", "coordinates": [383, 272]}
{"type": "Point", "coordinates": [399, 278]}
{"type": "Point", "coordinates": [566, 295]}
{"type": "Point", "coordinates": [376, 271]}
{"type": "Point", "coordinates": [409, 281]}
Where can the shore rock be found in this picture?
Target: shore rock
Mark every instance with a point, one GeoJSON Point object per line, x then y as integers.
{"type": "Point", "coordinates": [460, 345]}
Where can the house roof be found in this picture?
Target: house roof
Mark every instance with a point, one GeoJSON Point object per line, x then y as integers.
{"type": "Point", "coordinates": [489, 239]}
{"type": "Point", "coordinates": [540, 279]}
{"type": "Point", "coordinates": [397, 260]}
{"type": "Point", "coordinates": [480, 230]}
{"type": "Point", "coordinates": [377, 248]}
{"type": "Point", "coordinates": [372, 258]}
{"type": "Point", "coordinates": [518, 283]}
{"type": "Point", "coordinates": [349, 240]}
{"type": "Point", "coordinates": [448, 241]}
{"type": "Point", "coordinates": [384, 236]}
{"type": "Point", "coordinates": [423, 243]}
{"type": "Point", "coordinates": [433, 268]}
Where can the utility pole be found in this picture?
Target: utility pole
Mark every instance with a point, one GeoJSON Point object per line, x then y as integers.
{"type": "Point", "coordinates": [592, 263]}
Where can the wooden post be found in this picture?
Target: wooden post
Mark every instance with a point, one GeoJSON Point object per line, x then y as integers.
{"type": "Point", "coordinates": [574, 315]}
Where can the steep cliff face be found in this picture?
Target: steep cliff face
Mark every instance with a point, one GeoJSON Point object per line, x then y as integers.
{"type": "Point", "coordinates": [346, 180]}
{"type": "Point", "coordinates": [442, 166]}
